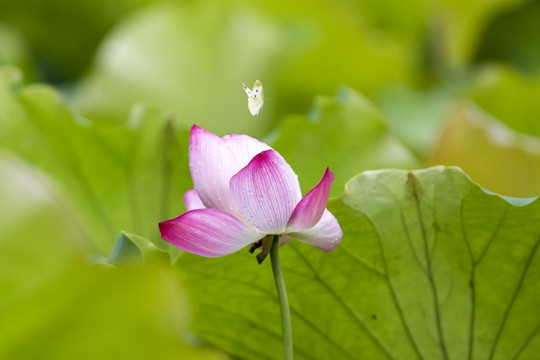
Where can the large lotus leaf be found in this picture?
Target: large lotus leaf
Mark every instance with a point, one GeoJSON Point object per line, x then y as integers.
{"type": "Point", "coordinates": [510, 97]}
{"type": "Point", "coordinates": [112, 178]}
{"type": "Point", "coordinates": [133, 249]}
{"type": "Point", "coordinates": [37, 235]}
{"type": "Point", "coordinates": [193, 56]}
{"type": "Point", "coordinates": [54, 306]}
{"type": "Point", "coordinates": [493, 155]}
{"type": "Point", "coordinates": [430, 267]}
{"type": "Point", "coordinates": [347, 133]}
{"type": "Point", "coordinates": [89, 313]}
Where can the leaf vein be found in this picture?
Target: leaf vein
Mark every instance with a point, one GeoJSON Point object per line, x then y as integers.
{"type": "Point", "coordinates": [346, 306]}
{"type": "Point", "coordinates": [512, 301]}
{"type": "Point", "coordinates": [415, 189]}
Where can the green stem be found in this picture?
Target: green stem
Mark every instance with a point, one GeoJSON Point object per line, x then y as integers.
{"type": "Point", "coordinates": [283, 302]}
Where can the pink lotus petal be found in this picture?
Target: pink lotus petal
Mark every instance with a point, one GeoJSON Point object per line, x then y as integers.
{"type": "Point", "coordinates": [325, 235]}
{"type": "Point", "coordinates": [192, 200]}
{"type": "Point", "coordinates": [309, 210]}
{"type": "Point", "coordinates": [266, 192]}
{"type": "Point", "coordinates": [244, 148]}
{"type": "Point", "coordinates": [208, 232]}
{"type": "Point", "coordinates": [213, 161]}
{"type": "Point", "coordinates": [210, 164]}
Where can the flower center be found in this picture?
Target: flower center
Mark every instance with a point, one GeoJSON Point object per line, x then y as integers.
{"type": "Point", "coordinates": [265, 244]}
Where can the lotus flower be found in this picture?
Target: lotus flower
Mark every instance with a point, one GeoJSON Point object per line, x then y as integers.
{"type": "Point", "coordinates": [244, 191]}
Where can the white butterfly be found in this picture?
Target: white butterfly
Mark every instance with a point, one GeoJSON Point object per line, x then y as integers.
{"type": "Point", "coordinates": [255, 97]}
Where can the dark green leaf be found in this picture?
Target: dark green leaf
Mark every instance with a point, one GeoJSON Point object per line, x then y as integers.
{"type": "Point", "coordinates": [347, 133]}
{"type": "Point", "coordinates": [498, 42]}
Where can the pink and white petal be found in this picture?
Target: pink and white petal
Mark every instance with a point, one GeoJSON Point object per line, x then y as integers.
{"type": "Point", "coordinates": [310, 209]}
{"type": "Point", "coordinates": [325, 235]}
{"type": "Point", "coordinates": [208, 232]}
{"type": "Point", "coordinates": [244, 148]}
{"type": "Point", "coordinates": [212, 165]}
{"type": "Point", "coordinates": [266, 192]}
{"type": "Point", "coordinates": [214, 160]}
{"type": "Point", "coordinates": [192, 200]}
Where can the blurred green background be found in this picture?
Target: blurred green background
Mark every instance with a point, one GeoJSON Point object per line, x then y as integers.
{"type": "Point", "coordinates": [96, 101]}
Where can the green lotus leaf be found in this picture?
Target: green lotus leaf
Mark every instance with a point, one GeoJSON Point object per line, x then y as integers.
{"type": "Point", "coordinates": [430, 267]}
{"type": "Point", "coordinates": [134, 249]}
{"type": "Point", "coordinates": [110, 177]}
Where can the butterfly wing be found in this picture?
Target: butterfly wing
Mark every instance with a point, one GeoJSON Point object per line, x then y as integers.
{"type": "Point", "coordinates": [247, 90]}
{"type": "Point", "coordinates": [256, 100]}
{"type": "Point", "coordinates": [254, 105]}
